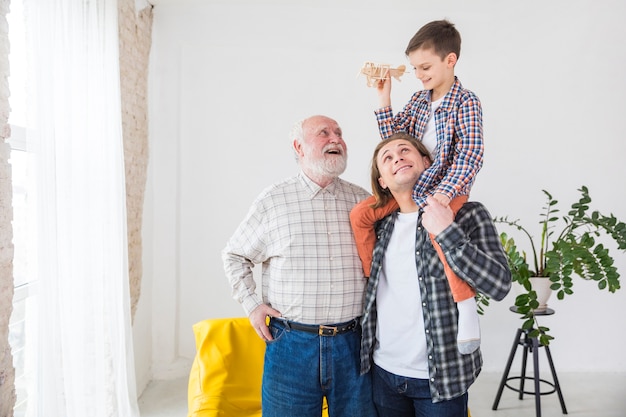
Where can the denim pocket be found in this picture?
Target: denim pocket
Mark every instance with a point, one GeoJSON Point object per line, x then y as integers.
{"type": "Point", "coordinates": [277, 332]}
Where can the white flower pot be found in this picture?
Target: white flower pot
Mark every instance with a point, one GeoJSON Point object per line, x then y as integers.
{"type": "Point", "coordinates": [541, 285]}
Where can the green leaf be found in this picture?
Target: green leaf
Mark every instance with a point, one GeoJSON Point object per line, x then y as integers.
{"type": "Point", "coordinates": [528, 324]}
{"type": "Point", "coordinates": [573, 245]}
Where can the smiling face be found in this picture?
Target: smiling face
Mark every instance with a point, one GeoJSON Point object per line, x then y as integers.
{"type": "Point", "coordinates": [322, 153]}
{"type": "Point", "coordinates": [435, 73]}
{"type": "Point", "coordinates": [399, 165]}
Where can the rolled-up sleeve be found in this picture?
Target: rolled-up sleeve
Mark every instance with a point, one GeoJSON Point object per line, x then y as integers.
{"type": "Point", "coordinates": [473, 250]}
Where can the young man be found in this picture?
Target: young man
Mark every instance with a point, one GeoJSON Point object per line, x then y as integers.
{"type": "Point", "coordinates": [410, 318]}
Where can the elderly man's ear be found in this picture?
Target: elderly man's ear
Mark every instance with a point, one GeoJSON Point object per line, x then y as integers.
{"type": "Point", "coordinates": [297, 147]}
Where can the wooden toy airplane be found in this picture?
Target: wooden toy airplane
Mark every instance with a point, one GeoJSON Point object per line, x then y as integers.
{"type": "Point", "coordinates": [375, 72]}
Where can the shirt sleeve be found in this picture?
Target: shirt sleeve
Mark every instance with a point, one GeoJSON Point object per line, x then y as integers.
{"type": "Point", "coordinates": [384, 117]}
{"type": "Point", "coordinates": [468, 150]}
{"type": "Point", "coordinates": [403, 121]}
{"type": "Point", "coordinates": [244, 249]}
{"type": "Point", "coordinates": [473, 250]}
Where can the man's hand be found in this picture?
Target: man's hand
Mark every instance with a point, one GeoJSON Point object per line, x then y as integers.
{"type": "Point", "coordinates": [436, 216]}
{"type": "Point", "coordinates": [258, 320]}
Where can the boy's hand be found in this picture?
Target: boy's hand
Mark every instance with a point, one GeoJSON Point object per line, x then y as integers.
{"type": "Point", "coordinates": [436, 217]}
{"type": "Point", "coordinates": [383, 88]}
{"type": "Point", "coordinates": [442, 198]}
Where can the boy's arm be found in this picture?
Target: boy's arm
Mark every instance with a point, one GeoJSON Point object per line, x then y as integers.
{"type": "Point", "coordinates": [474, 252]}
{"type": "Point", "coordinates": [384, 117]}
{"type": "Point", "coordinates": [363, 218]}
{"type": "Point", "coordinates": [411, 119]}
{"type": "Point", "coordinates": [468, 150]}
{"type": "Point", "coordinates": [384, 114]}
{"type": "Point", "coordinates": [383, 88]}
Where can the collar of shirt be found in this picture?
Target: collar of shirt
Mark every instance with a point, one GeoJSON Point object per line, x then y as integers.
{"type": "Point", "coordinates": [315, 189]}
{"type": "Point", "coordinates": [448, 100]}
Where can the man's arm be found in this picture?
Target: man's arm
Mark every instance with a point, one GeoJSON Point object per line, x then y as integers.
{"type": "Point", "coordinates": [473, 250]}
{"type": "Point", "coordinates": [247, 247]}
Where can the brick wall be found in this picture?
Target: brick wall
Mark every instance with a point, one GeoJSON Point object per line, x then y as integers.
{"type": "Point", "coordinates": [7, 372]}
{"type": "Point", "coordinates": [135, 41]}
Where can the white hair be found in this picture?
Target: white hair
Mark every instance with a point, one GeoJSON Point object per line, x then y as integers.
{"type": "Point", "coordinates": [297, 133]}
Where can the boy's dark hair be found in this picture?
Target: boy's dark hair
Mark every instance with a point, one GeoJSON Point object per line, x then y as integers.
{"type": "Point", "coordinates": [440, 35]}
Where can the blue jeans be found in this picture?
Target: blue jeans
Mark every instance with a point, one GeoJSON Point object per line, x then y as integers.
{"type": "Point", "coordinates": [399, 396]}
{"type": "Point", "coordinates": [302, 368]}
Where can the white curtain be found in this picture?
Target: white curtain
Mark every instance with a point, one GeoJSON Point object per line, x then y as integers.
{"type": "Point", "coordinates": [84, 352]}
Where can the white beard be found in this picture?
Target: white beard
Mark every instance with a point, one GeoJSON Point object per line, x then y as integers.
{"type": "Point", "coordinates": [332, 167]}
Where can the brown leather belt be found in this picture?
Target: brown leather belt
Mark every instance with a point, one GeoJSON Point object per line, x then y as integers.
{"type": "Point", "coordinates": [321, 329]}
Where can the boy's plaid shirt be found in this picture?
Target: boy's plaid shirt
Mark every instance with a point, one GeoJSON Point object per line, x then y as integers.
{"type": "Point", "coordinates": [459, 153]}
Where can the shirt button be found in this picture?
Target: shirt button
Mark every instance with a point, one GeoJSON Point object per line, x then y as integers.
{"type": "Point", "coordinates": [427, 331]}
{"type": "Point", "coordinates": [417, 252]}
{"type": "Point", "coordinates": [423, 304]}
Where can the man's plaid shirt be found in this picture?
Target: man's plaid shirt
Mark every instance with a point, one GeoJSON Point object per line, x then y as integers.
{"type": "Point", "coordinates": [300, 233]}
{"type": "Point", "coordinates": [473, 250]}
{"type": "Point", "coordinates": [459, 153]}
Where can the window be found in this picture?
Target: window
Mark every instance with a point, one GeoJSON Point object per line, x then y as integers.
{"type": "Point", "coordinates": [24, 308]}
{"type": "Point", "coordinates": [23, 317]}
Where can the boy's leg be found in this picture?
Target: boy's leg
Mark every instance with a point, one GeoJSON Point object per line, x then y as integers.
{"type": "Point", "coordinates": [460, 289]}
{"type": "Point", "coordinates": [363, 218]}
{"type": "Point", "coordinates": [468, 334]}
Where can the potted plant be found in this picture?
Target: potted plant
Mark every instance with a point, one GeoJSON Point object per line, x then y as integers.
{"type": "Point", "coordinates": [566, 247]}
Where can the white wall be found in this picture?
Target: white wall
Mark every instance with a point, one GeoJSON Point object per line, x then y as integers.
{"type": "Point", "coordinates": [228, 79]}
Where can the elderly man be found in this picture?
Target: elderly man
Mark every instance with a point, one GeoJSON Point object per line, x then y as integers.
{"type": "Point", "coordinates": [313, 285]}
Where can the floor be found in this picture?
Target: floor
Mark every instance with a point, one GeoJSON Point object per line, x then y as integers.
{"type": "Point", "coordinates": [585, 395]}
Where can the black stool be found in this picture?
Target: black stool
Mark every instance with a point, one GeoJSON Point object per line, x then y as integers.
{"type": "Point", "coordinates": [531, 344]}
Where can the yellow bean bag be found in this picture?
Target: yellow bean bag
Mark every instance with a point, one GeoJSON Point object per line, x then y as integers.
{"type": "Point", "coordinates": [225, 378]}
{"type": "Point", "coordinates": [226, 374]}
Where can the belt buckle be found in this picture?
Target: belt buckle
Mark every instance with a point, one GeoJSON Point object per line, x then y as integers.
{"type": "Point", "coordinates": [324, 328]}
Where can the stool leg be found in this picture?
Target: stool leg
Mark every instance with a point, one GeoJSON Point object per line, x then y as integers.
{"type": "Point", "coordinates": [522, 381]}
{"type": "Point", "coordinates": [536, 375]}
{"type": "Point", "coordinates": [505, 375]}
{"type": "Point", "coordinates": [556, 380]}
